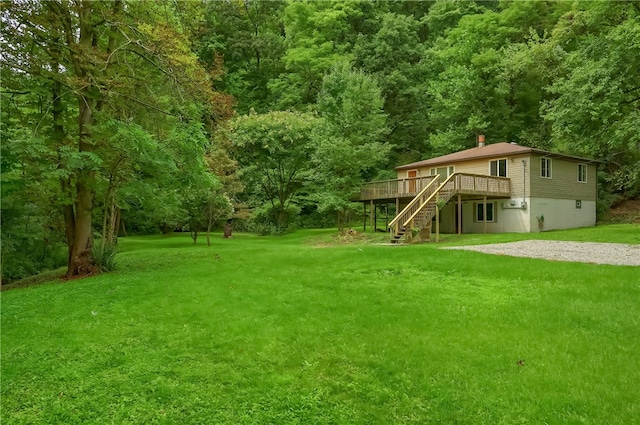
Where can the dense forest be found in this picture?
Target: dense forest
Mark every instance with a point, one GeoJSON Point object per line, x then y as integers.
{"type": "Point", "coordinates": [138, 117]}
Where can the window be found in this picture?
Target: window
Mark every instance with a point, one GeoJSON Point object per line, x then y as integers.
{"type": "Point", "coordinates": [443, 171]}
{"type": "Point", "coordinates": [582, 173]}
{"type": "Point", "coordinates": [480, 212]}
{"type": "Point", "coordinates": [545, 168]}
{"type": "Point", "coordinates": [498, 168]}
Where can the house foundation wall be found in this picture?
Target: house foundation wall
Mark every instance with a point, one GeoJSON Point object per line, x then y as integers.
{"type": "Point", "coordinates": [561, 214]}
{"type": "Point", "coordinates": [541, 214]}
{"type": "Point", "coordinates": [513, 220]}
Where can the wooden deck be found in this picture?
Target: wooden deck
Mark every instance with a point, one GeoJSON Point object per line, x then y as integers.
{"type": "Point", "coordinates": [462, 183]}
{"type": "Point", "coordinates": [392, 189]}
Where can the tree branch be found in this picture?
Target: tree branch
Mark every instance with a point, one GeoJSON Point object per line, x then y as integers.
{"type": "Point", "coordinates": [14, 92]}
{"type": "Point", "coordinates": [180, 117]}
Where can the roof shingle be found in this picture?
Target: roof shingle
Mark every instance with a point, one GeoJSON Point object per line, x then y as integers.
{"type": "Point", "coordinates": [487, 151]}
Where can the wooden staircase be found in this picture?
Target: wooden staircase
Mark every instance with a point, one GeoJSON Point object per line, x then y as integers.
{"type": "Point", "coordinates": [422, 209]}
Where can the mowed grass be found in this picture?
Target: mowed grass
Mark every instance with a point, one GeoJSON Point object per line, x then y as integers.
{"type": "Point", "coordinates": [257, 330]}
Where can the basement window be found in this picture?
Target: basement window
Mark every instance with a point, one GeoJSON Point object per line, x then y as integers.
{"type": "Point", "coordinates": [480, 212]}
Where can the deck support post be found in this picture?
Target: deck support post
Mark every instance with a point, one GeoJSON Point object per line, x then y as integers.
{"type": "Point", "coordinates": [386, 222]}
{"type": "Point", "coordinates": [371, 211]}
{"type": "Point", "coordinates": [375, 219]}
{"type": "Point", "coordinates": [437, 224]}
{"type": "Point", "coordinates": [459, 214]}
{"type": "Point", "coordinates": [484, 213]}
{"type": "Point", "coordinates": [364, 207]}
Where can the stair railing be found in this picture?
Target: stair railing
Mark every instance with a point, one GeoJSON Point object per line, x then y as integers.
{"type": "Point", "coordinates": [415, 205]}
{"type": "Point", "coordinates": [433, 197]}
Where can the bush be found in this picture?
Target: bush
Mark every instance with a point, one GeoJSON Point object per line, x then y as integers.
{"type": "Point", "coordinates": [104, 258]}
{"type": "Point", "coordinates": [26, 255]}
{"type": "Point", "coordinates": [264, 222]}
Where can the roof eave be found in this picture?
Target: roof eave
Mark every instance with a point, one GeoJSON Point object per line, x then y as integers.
{"type": "Point", "coordinates": [446, 161]}
{"type": "Point", "coordinates": [525, 150]}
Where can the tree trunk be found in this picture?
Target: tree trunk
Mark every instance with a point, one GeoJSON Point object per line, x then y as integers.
{"type": "Point", "coordinates": [65, 182]}
{"type": "Point", "coordinates": [209, 225]}
{"type": "Point", "coordinates": [124, 229]}
{"type": "Point", "coordinates": [116, 226]}
{"type": "Point", "coordinates": [80, 259]}
{"type": "Point", "coordinates": [105, 219]}
{"type": "Point", "coordinates": [81, 262]}
{"type": "Point", "coordinates": [69, 221]}
{"type": "Point", "coordinates": [341, 222]}
{"type": "Point", "coordinates": [110, 221]}
{"type": "Point", "coordinates": [227, 230]}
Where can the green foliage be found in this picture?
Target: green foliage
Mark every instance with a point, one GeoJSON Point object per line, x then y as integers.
{"type": "Point", "coordinates": [349, 143]}
{"type": "Point", "coordinates": [31, 234]}
{"type": "Point", "coordinates": [595, 111]}
{"type": "Point", "coordinates": [103, 109]}
{"type": "Point", "coordinates": [248, 36]}
{"type": "Point", "coordinates": [392, 56]}
{"type": "Point", "coordinates": [351, 104]}
{"type": "Point", "coordinates": [273, 152]}
{"type": "Point", "coordinates": [318, 34]}
{"type": "Point", "coordinates": [482, 82]}
{"type": "Point", "coordinates": [264, 217]}
{"type": "Point", "coordinates": [104, 256]}
{"type": "Point", "coordinates": [450, 70]}
{"type": "Point", "coordinates": [26, 254]}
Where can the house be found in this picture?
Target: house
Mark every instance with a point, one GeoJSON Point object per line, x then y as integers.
{"type": "Point", "coordinates": [492, 188]}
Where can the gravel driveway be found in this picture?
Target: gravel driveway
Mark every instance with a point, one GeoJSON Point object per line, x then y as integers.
{"type": "Point", "coordinates": [584, 252]}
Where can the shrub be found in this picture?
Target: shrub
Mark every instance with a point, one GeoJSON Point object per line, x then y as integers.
{"type": "Point", "coordinates": [104, 257]}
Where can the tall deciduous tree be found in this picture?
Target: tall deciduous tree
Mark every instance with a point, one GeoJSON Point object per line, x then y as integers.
{"type": "Point", "coordinates": [349, 146]}
{"type": "Point", "coordinates": [596, 109]}
{"type": "Point", "coordinates": [478, 83]}
{"type": "Point", "coordinates": [103, 56]}
{"type": "Point", "coordinates": [392, 55]}
{"type": "Point", "coordinates": [318, 34]}
{"type": "Point", "coordinates": [273, 152]}
{"type": "Point", "coordinates": [249, 36]}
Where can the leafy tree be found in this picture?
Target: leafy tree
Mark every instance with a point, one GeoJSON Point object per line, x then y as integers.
{"type": "Point", "coordinates": [31, 233]}
{"type": "Point", "coordinates": [479, 79]}
{"type": "Point", "coordinates": [349, 144]}
{"type": "Point", "coordinates": [596, 109]}
{"type": "Point", "coordinates": [392, 55]}
{"type": "Point", "coordinates": [96, 59]}
{"type": "Point", "coordinates": [273, 152]}
{"type": "Point", "coordinates": [249, 36]}
{"type": "Point", "coordinates": [218, 207]}
{"type": "Point", "coordinates": [318, 34]}
{"type": "Point", "coordinates": [445, 14]}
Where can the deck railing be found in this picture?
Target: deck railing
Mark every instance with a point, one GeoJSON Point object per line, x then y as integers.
{"type": "Point", "coordinates": [478, 184]}
{"type": "Point", "coordinates": [471, 184]}
{"type": "Point", "coordinates": [399, 188]}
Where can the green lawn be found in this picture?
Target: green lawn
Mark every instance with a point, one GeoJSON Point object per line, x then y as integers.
{"type": "Point", "coordinates": [278, 330]}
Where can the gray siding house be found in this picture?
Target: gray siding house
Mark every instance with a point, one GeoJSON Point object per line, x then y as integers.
{"type": "Point", "coordinates": [501, 187]}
